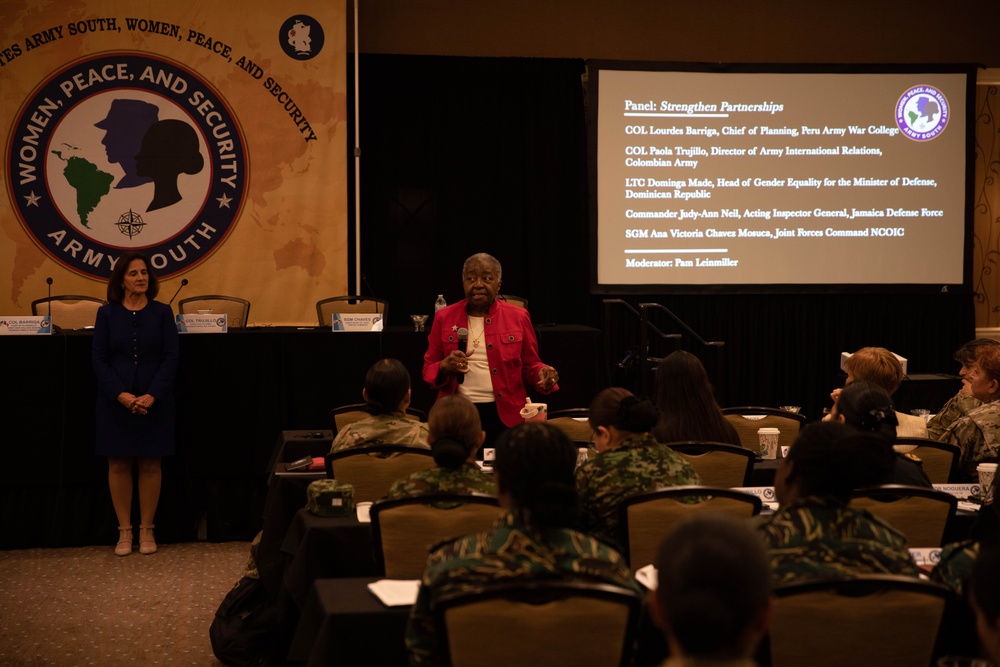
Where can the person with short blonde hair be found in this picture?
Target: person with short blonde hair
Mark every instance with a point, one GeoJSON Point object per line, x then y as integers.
{"type": "Point", "coordinates": [880, 367]}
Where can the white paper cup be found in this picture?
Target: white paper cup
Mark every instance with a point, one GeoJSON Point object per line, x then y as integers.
{"type": "Point", "coordinates": [534, 412]}
{"type": "Point", "coordinates": [784, 451]}
{"type": "Point", "coordinates": [987, 472]}
{"type": "Point", "coordinates": [363, 512]}
{"type": "Point", "coordinates": [582, 454]}
{"type": "Point", "coordinates": [768, 438]}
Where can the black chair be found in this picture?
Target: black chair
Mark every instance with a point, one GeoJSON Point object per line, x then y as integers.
{"type": "Point", "coordinates": [718, 464]}
{"type": "Point", "coordinates": [864, 620]}
{"type": "Point", "coordinates": [348, 414]}
{"type": "Point", "coordinates": [646, 517]}
{"type": "Point", "coordinates": [372, 468]}
{"type": "Point", "coordinates": [921, 514]}
{"type": "Point", "coordinates": [404, 529]}
{"type": "Point", "coordinates": [69, 311]}
{"type": "Point", "coordinates": [535, 622]}
{"type": "Point", "coordinates": [514, 300]}
{"type": "Point", "coordinates": [939, 459]}
{"type": "Point", "coordinates": [237, 310]}
{"type": "Point", "coordinates": [325, 308]}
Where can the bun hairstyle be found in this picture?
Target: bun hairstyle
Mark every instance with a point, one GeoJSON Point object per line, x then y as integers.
{"type": "Point", "coordinates": [535, 465]}
{"type": "Point", "coordinates": [832, 459]}
{"type": "Point", "coordinates": [386, 385]}
{"type": "Point", "coordinates": [868, 408]}
{"type": "Point", "coordinates": [454, 430]}
{"type": "Point", "coordinates": [618, 407]}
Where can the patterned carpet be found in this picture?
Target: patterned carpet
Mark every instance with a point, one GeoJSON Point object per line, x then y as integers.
{"type": "Point", "coordinates": [86, 606]}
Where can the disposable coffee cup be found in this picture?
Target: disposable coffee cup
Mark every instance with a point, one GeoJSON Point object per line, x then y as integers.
{"type": "Point", "coordinates": [534, 412]}
{"type": "Point", "coordinates": [582, 454]}
{"type": "Point", "coordinates": [364, 510]}
{"type": "Point", "coordinates": [784, 451]}
{"type": "Point", "coordinates": [987, 472]}
{"type": "Point", "coordinates": [768, 438]}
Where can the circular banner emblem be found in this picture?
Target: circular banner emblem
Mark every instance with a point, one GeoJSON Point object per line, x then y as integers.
{"type": "Point", "coordinates": [301, 37]}
{"type": "Point", "coordinates": [126, 151]}
{"type": "Point", "coordinates": [922, 113]}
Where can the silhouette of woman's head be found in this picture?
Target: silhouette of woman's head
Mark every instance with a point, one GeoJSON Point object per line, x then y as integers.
{"type": "Point", "coordinates": [170, 148]}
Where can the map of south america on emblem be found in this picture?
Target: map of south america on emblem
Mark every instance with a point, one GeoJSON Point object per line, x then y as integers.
{"type": "Point", "coordinates": [127, 151]}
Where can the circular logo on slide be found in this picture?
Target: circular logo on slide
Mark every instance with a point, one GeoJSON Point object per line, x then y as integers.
{"type": "Point", "coordinates": [922, 113]}
{"type": "Point", "coordinates": [126, 151]}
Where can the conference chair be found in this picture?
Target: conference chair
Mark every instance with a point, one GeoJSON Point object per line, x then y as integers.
{"type": "Point", "coordinates": [372, 468]}
{"type": "Point", "coordinates": [69, 311]}
{"type": "Point", "coordinates": [921, 514]}
{"type": "Point", "coordinates": [531, 622]}
{"type": "Point", "coordinates": [404, 529]}
{"type": "Point", "coordinates": [646, 517]}
{"type": "Point", "coordinates": [939, 459]}
{"type": "Point", "coordinates": [717, 463]}
{"type": "Point", "coordinates": [513, 300]}
{"type": "Point", "coordinates": [864, 620]}
{"type": "Point", "coordinates": [348, 414]}
{"type": "Point", "coordinates": [747, 419]}
{"type": "Point", "coordinates": [325, 308]}
{"type": "Point", "coordinates": [573, 422]}
{"type": "Point", "coordinates": [237, 310]}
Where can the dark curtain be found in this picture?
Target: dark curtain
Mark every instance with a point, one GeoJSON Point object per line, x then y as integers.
{"type": "Point", "coordinates": [461, 155]}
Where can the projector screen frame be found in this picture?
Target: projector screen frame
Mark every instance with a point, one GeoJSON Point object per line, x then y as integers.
{"type": "Point", "coordinates": [596, 67]}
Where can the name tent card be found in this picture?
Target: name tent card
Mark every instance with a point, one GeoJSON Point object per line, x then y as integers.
{"type": "Point", "coordinates": [357, 322]}
{"type": "Point", "coordinates": [202, 323]}
{"type": "Point", "coordinates": [22, 325]}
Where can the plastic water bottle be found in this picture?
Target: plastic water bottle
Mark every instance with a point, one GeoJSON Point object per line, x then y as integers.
{"type": "Point", "coordinates": [439, 303]}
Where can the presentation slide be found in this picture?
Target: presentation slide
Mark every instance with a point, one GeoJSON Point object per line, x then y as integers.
{"type": "Point", "coordinates": [781, 179]}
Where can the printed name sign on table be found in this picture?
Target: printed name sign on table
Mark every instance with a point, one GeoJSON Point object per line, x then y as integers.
{"type": "Point", "coordinates": [765, 493]}
{"type": "Point", "coordinates": [23, 325]}
{"type": "Point", "coordinates": [357, 322]}
{"type": "Point", "coordinates": [202, 323]}
{"type": "Point", "coordinates": [925, 555]}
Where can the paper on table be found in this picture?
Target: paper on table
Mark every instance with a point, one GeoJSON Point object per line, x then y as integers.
{"type": "Point", "coordinates": [395, 592]}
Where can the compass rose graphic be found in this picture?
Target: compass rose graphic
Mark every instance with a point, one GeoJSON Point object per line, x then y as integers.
{"type": "Point", "coordinates": [130, 224]}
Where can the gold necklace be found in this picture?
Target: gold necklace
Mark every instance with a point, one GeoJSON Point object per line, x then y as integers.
{"type": "Point", "coordinates": [476, 339]}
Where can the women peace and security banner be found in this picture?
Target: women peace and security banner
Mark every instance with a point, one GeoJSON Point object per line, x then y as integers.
{"type": "Point", "coordinates": [210, 136]}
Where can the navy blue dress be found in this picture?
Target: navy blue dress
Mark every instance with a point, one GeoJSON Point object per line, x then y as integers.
{"type": "Point", "coordinates": [137, 352]}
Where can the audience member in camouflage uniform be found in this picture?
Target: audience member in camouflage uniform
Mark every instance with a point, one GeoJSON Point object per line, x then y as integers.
{"type": "Point", "coordinates": [455, 434]}
{"type": "Point", "coordinates": [963, 402]}
{"type": "Point", "coordinates": [977, 434]}
{"type": "Point", "coordinates": [815, 534]}
{"type": "Point", "coordinates": [629, 461]}
{"type": "Point", "coordinates": [387, 393]}
{"type": "Point", "coordinates": [532, 539]}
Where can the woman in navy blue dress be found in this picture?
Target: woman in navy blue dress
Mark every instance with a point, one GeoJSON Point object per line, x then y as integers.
{"type": "Point", "coordinates": [135, 355]}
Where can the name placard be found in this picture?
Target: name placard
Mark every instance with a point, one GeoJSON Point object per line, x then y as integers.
{"type": "Point", "coordinates": [202, 323]}
{"type": "Point", "coordinates": [925, 555]}
{"type": "Point", "coordinates": [960, 491]}
{"type": "Point", "coordinates": [357, 322]}
{"type": "Point", "coordinates": [25, 325]}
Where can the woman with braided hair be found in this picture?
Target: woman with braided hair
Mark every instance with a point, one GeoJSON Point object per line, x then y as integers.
{"type": "Point", "coordinates": [629, 460]}
{"type": "Point", "coordinates": [868, 408]}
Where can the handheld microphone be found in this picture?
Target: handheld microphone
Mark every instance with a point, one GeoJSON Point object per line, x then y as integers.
{"type": "Point", "coordinates": [463, 343]}
{"type": "Point", "coordinates": [183, 283]}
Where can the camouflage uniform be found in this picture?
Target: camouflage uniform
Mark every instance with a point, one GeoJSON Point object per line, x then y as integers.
{"type": "Point", "coordinates": [957, 406]}
{"type": "Point", "coordinates": [977, 434]}
{"type": "Point", "coordinates": [819, 538]}
{"type": "Point", "coordinates": [510, 550]}
{"type": "Point", "coordinates": [391, 429]}
{"type": "Point", "coordinates": [639, 464]}
{"type": "Point", "coordinates": [467, 478]}
{"type": "Point", "coordinates": [955, 565]}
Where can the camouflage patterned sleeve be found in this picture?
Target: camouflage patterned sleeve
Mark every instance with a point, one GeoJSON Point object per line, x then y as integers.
{"type": "Point", "coordinates": [966, 434]}
{"type": "Point", "coordinates": [956, 407]}
{"type": "Point", "coordinates": [955, 564]}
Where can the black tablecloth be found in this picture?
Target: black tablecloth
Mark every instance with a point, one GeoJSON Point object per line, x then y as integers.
{"type": "Point", "coordinates": [343, 623]}
{"type": "Point", "coordinates": [235, 393]}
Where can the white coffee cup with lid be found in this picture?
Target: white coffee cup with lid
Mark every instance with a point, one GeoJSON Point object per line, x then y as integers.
{"type": "Point", "coordinates": [768, 438]}
{"type": "Point", "coordinates": [987, 472]}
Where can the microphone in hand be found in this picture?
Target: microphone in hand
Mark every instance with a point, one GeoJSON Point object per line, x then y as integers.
{"type": "Point", "coordinates": [463, 343]}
